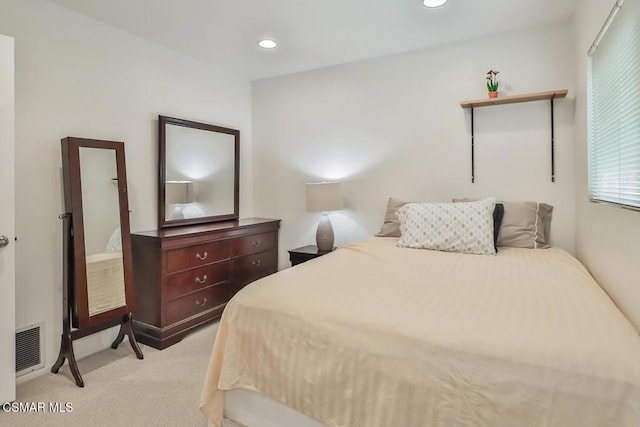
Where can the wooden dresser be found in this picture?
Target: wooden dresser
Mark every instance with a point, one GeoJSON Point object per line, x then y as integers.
{"type": "Point", "coordinates": [184, 276]}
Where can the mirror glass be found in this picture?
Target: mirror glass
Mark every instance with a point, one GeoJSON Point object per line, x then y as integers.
{"type": "Point", "coordinates": [102, 233]}
{"type": "Point", "coordinates": [198, 172]}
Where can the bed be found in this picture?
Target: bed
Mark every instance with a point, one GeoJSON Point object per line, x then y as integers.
{"type": "Point", "coordinates": [377, 335]}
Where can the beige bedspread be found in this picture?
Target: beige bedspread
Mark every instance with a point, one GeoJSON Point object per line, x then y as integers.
{"type": "Point", "coordinates": [376, 335]}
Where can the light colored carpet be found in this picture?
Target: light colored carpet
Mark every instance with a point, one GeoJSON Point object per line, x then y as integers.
{"type": "Point", "coordinates": [120, 390]}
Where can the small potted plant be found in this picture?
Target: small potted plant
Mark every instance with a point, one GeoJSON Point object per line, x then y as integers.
{"type": "Point", "coordinates": [492, 83]}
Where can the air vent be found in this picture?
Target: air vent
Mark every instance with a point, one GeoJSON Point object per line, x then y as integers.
{"type": "Point", "coordinates": [29, 348]}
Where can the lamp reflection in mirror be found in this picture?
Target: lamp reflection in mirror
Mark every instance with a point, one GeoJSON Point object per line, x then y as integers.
{"type": "Point", "coordinates": [324, 197]}
{"type": "Point", "coordinates": [177, 194]}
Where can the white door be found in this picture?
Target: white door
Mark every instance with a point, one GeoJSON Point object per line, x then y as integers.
{"type": "Point", "coordinates": [7, 224]}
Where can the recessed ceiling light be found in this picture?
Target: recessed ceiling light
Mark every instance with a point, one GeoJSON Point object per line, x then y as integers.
{"type": "Point", "coordinates": [433, 3]}
{"type": "Point", "coordinates": [268, 43]}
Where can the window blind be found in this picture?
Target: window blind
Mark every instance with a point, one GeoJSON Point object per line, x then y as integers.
{"type": "Point", "coordinates": [614, 108]}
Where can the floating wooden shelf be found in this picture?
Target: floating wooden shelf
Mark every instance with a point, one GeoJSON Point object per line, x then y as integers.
{"type": "Point", "coordinates": [538, 96]}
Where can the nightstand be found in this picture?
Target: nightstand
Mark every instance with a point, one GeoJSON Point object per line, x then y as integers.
{"type": "Point", "coordinates": [305, 253]}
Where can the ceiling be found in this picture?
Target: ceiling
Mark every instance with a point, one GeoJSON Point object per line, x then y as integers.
{"type": "Point", "coordinates": [312, 34]}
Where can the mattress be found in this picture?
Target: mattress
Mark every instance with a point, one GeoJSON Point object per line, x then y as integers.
{"type": "Point", "coordinates": [376, 335]}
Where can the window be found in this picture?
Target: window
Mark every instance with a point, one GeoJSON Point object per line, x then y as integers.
{"type": "Point", "coordinates": [614, 108]}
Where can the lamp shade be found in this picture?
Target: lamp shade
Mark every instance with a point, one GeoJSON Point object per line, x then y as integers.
{"type": "Point", "coordinates": [324, 196]}
{"type": "Point", "coordinates": [178, 192]}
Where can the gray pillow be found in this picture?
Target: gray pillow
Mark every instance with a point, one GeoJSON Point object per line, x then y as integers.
{"type": "Point", "coordinates": [524, 225]}
{"type": "Point", "coordinates": [391, 225]}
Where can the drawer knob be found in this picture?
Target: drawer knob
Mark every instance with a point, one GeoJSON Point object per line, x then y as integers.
{"type": "Point", "coordinates": [256, 243]}
{"type": "Point", "coordinates": [201, 280]}
{"type": "Point", "coordinates": [201, 303]}
{"type": "Point", "coordinates": [202, 257]}
{"type": "Point", "coordinates": [256, 263]}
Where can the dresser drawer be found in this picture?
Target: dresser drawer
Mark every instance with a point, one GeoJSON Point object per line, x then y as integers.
{"type": "Point", "coordinates": [252, 267]}
{"type": "Point", "coordinates": [188, 281]}
{"type": "Point", "coordinates": [254, 244]}
{"type": "Point", "coordinates": [197, 302]}
{"type": "Point", "coordinates": [195, 256]}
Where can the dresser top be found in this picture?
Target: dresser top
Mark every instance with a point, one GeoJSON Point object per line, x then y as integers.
{"type": "Point", "coordinates": [188, 230]}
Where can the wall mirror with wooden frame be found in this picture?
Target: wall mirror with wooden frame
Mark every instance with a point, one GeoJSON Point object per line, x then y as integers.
{"type": "Point", "coordinates": [199, 172]}
{"type": "Point", "coordinates": [98, 290]}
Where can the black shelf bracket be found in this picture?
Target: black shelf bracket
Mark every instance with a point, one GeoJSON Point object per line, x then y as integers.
{"type": "Point", "coordinates": [553, 147]}
{"type": "Point", "coordinates": [553, 160]}
{"type": "Point", "coordinates": [473, 166]}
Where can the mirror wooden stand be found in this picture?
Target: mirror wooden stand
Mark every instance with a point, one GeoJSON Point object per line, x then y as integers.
{"type": "Point", "coordinates": [97, 267]}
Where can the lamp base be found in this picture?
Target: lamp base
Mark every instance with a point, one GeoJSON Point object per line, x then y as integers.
{"type": "Point", "coordinates": [176, 212]}
{"type": "Point", "coordinates": [324, 234]}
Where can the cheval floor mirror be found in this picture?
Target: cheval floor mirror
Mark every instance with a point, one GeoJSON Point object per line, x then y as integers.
{"type": "Point", "coordinates": [98, 291]}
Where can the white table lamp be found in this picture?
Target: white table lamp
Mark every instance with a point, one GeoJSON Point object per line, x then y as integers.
{"type": "Point", "coordinates": [324, 197]}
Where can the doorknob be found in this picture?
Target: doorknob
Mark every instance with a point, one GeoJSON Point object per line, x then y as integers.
{"type": "Point", "coordinates": [4, 241]}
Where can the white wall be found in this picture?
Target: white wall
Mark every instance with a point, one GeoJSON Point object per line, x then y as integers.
{"type": "Point", "coordinates": [78, 77]}
{"type": "Point", "coordinates": [393, 126]}
{"type": "Point", "coordinates": [606, 237]}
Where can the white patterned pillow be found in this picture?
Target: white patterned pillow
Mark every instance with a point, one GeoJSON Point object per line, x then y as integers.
{"type": "Point", "coordinates": [453, 227]}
